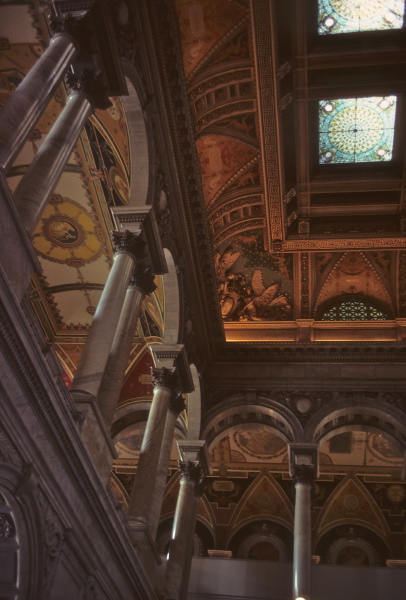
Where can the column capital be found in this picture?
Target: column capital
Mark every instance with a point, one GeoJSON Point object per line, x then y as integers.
{"type": "Point", "coordinates": [175, 355]}
{"type": "Point", "coordinates": [142, 218]}
{"type": "Point", "coordinates": [89, 83]}
{"type": "Point", "coordinates": [128, 242]}
{"type": "Point", "coordinates": [143, 278]}
{"type": "Point", "coordinates": [164, 378]}
{"type": "Point", "coordinates": [69, 25]}
{"type": "Point", "coordinates": [303, 474]}
{"type": "Point", "coordinates": [177, 403]}
{"type": "Point", "coordinates": [195, 451]}
{"type": "Point", "coordinates": [303, 462]}
{"type": "Point", "coordinates": [190, 471]}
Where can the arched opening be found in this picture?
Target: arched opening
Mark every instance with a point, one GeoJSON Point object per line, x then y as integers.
{"type": "Point", "coordinates": [353, 307]}
{"type": "Point", "coordinates": [262, 540]}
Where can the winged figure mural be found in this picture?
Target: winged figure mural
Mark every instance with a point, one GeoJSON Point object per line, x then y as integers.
{"type": "Point", "coordinates": [264, 298]}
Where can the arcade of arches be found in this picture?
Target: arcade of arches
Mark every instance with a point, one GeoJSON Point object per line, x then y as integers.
{"type": "Point", "coordinates": [202, 299]}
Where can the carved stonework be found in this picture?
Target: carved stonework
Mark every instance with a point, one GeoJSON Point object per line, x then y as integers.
{"type": "Point", "coordinates": [304, 271]}
{"type": "Point", "coordinates": [127, 241]}
{"type": "Point", "coordinates": [177, 403]}
{"type": "Point", "coordinates": [8, 452]}
{"type": "Point", "coordinates": [68, 24]}
{"type": "Point", "coordinates": [6, 528]}
{"type": "Point", "coordinates": [303, 474]}
{"type": "Point", "coordinates": [90, 84]}
{"type": "Point", "coordinates": [402, 283]}
{"type": "Point", "coordinates": [164, 378]}
{"type": "Point", "coordinates": [199, 487]}
{"type": "Point", "coordinates": [190, 471]}
{"type": "Point", "coordinates": [143, 278]}
{"type": "Point", "coordinates": [54, 537]}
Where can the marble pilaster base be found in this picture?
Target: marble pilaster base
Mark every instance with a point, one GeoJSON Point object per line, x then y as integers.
{"type": "Point", "coordinates": [17, 255]}
{"type": "Point", "coordinates": [145, 547]}
{"type": "Point", "coordinates": [94, 434]}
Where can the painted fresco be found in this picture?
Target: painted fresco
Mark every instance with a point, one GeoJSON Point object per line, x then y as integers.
{"type": "Point", "coordinates": [234, 51]}
{"type": "Point", "coordinates": [354, 273]}
{"type": "Point", "coordinates": [128, 442]}
{"type": "Point", "coordinates": [202, 25]}
{"type": "Point", "coordinates": [252, 285]}
{"type": "Point", "coordinates": [72, 238]}
{"type": "Point", "coordinates": [138, 382]}
{"type": "Point", "coordinates": [362, 448]}
{"type": "Point", "coordinates": [107, 167]}
{"type": "Point", "coordinates": [220, 158]}
{"type": "Point", "coordinates": [246, 445]}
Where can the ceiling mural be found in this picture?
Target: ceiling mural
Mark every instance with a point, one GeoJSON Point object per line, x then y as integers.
{"type": "Point", "coordinates": [353, 273]}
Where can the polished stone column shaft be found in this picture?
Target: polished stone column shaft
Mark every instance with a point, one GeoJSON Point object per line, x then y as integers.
{"type": "Point", "coordinates": [93, 360]}
{"type": "Point", "coordinates": [31, 97]}
{"type": "Point", "coordinates": [43, 174]}
{"type": "Point", "coordinates": [182, 531]}
{"type": "Point", "coordinates": [113, 378]}
{"type": "Point", "coordinates": [191, 540]}
{"type": "Point", "coordinates": [302, 548]}
{"type": "Point", "coordinates": [144, 483]}
{"type": "Point", "coordinates": [176, 406]}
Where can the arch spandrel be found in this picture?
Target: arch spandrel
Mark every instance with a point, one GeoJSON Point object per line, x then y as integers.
{"type": "Point", "coordinates": [263, 499]}
{"type": "Point", "coordinates": [351, 502]}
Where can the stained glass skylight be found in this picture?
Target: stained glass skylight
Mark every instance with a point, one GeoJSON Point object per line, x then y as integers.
{"type": "Point", "coordinates": [344, 16]}
{"type": "Point", "coordinates": [356, 130]}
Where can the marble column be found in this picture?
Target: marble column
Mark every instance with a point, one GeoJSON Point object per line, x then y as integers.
{"type": "Point", "coordinates": [41, 177]}
{"type": "Point", "coordinates": [141, 284]}
{"type": "Point", "coordinates": [303, 468]}
{"type": "Point", "coordinates": [198, 492]}
{"type": "Point", "coordinates": [32, 96]}
{"type": "Point", "coordinates": [164, 381]}
{"type": "Point", "coordinates": [35, 188]}
{"type": "Point", "coordinates": [128, 249]}
{"type": "Point", "coordinates": [182, 530]}
{"type": "Point", "coordinates": [303, 476]}
{"type": "Point", "coordinates": [176, 406]}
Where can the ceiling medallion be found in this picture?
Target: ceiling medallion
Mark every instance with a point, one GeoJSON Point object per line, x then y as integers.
{"type": "Point", "coordinates": [64, 231]}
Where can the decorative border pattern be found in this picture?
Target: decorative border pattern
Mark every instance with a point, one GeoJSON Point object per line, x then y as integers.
{"type": "Point", "coordinates": [269, 115]}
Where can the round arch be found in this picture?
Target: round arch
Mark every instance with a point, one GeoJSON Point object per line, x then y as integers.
{"type": "Point", "coordinates": [376, 418]}
{"type": "Point", "coordinates": [172, 301]}
{"type": "Point", "coordinates": [235, 412]}
{"type": "Point", "coordinates": [142, 158]}
{"type": "Point", "coordinates": [194, 407]}
{"type": "Point", "coordinates": [254, 530]}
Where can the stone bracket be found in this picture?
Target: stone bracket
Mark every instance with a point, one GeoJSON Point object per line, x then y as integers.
{"type": "Point", "coordinates": [133, 219]}
{"type": "Point", "coordinates": [195, 451]}
{"type": "Point", "coordinates": [174, 355]}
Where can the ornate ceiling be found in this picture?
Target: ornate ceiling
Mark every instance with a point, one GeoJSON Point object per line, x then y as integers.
{"type": "Point", "coordinates": [288, 233]}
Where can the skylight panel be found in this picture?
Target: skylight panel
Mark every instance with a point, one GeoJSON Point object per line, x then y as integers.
{"type": "Point", "coordinates": [345, 16]}
{"type": "Point", "coordinates": [356, 130]}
